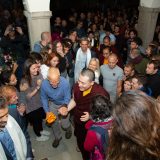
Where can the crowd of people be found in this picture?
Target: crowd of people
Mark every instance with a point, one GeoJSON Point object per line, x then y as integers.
{"type": "Point", "coordinates": [93, 74]}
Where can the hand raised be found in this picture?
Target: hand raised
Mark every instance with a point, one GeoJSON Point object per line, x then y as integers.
{"type": "Point", "coordinates": [39, 82]}
{"type": "Point", "coordinates": [23, 87]}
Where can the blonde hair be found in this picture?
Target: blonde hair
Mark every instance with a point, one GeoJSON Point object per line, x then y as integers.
{"type": "Point", "coordinates": [97, 71]}
{"type": "Point", "coordinates": [97, 61]}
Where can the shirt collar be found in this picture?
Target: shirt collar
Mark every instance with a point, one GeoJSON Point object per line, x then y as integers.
{"type": "Point", "coordinates": [87, 91]}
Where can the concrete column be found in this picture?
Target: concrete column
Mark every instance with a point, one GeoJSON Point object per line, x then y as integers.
{"type": "Point", "coordinates": [146, 23]}
{"type": "Point", "coordinates": [38, 22]}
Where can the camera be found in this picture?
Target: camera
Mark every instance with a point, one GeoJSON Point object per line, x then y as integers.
{"type": "Point", "coordinates": [13, 28]}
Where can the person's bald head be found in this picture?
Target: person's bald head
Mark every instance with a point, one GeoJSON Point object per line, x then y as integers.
{"type": "Point", "coordinates": [53, 77]}
{"type": "Point", "coordinates": [112, 60]}
{"type": "Point", "coordinates": [46, 36]}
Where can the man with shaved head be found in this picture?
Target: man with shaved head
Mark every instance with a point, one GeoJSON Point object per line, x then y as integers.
{"type": "Point", "coordinates": [84, 90]}
{"type": "Point", "coordinates": [55, 96]}
{"type": "Point", "coordinates": [44, 42]}
{"type": "Point", "coordinates": [112, 77]}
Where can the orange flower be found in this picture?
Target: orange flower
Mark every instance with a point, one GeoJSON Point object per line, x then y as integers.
{"type": "Point", "coordinates": [51, 117]}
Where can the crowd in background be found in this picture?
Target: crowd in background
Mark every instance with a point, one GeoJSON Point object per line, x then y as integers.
{"type": "Point", "coordinates": [106, 43]}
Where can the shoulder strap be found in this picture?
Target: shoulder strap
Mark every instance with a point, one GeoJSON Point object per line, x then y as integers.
{"type": "Point", "coordinates": [103, 133]}
{"type": "Point", "coordinates": [98, 129]}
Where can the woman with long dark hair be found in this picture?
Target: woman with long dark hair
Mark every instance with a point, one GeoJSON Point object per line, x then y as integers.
{"type": "Point", "coordinates": [32, 81]}
{"type": "Point", "coordinates": [58, 48]}
{"type": "Point", "coordinates": [136, 131]}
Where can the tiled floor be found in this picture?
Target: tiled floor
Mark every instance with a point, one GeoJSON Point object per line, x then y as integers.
{"type": "Point", "coordinates": [65, 151]}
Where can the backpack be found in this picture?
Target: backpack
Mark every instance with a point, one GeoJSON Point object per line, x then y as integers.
{"type": "Point", "coordinates": [99, 152]}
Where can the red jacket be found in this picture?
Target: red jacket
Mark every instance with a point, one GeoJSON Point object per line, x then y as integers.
{"type": "Point", "coordinates": [91, 138]}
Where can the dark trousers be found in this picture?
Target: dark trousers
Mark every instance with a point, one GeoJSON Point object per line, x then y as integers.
{"type": "Point", "coordinates": [80, 133]}
{"type": "Point", "coordinates": [35, 118]}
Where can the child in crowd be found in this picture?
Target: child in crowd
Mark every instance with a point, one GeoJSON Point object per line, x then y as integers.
{"type": "Point", "coordinates": [98, 127]}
